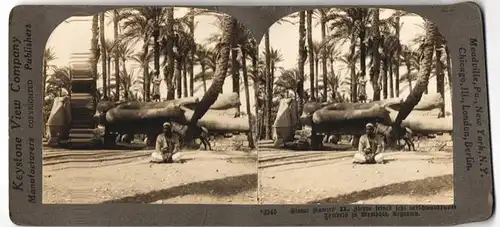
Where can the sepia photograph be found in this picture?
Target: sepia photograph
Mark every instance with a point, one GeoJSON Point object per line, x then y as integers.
{"type": "Point", "coordinates": [150, 105]}
{"type": "Point", "coordinates": [355, 108]}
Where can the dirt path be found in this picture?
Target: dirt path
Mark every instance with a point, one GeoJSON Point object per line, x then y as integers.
{"type": "Point", "coordinates": [105, 176]}
{"type": "Point", "coordinates": [230, 177]}
{"type": "Point", "coordinates": [292, 177]}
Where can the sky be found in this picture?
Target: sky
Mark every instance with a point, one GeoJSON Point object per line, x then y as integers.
{"type": "Point", "coordinates": [74, 34]}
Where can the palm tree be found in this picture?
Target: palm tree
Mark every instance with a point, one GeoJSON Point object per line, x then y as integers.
{"type": "Point", "coordinates": [137, 24]}
{"type": "Point", "coordinates": [268, 80]}
{"type": "Point", "coordinates": [288, 81]}
{"type": "Point", "coordinates": [397, 26]}
{"type": "Point", "coordinates": [59, 82]}
{"type": "Point", "coordinates": [268, 90]}
{"type": "Point", "coordinates": [116, 17]}
{"type": "Point", "coordinates": [322, 20]}
{"type": "Point", "coordinates": [123, 52]}
{"type": "Point", "coordinates": [109, 47]}
{"type": "Point", "coordinates": [202, 55]}
{"type": "Point", "coordinates": [212, 59]}
{"type": "Point", "coordinates": [311, 53]}
{"type": "Point", "coordinates": [94, 44]}
{"type": "Point", "coordinates": [411, 61]}
{"type": "Point", "coordinates": [375, 69]}
{"type": "Point", "coordinates": [302, 59]}
{"type": "Point", "coordinates": [252, 48]}
{"type": "Point", "coordinates": [116, 23]}
{"type": "Point", "coordinates": [247, 95]}
{"type": "Point", "coordinates": [345, 23]}
{"type": "Point", "coordinates": [192, 53]}
{"type": "Point", "coordinates": [275, 57]}
{"type": "Point", "coordinates": [157, 17]}
{"type": "Point", "coordinates": [126, 83]}
{"type": "Point", "coordinates": [235, 67]}
{"type": "Point", "coordinates": [423, 76]}
{"type": "Point", "coordinates": [230, 26]}
{"type": "Point", "coordinates": [439, 48]}
{"type": "Point", "coordinates": [182, 54]}
{"type": "Point", "coordinates": [333, 82]}
{"type": "Point", "coordinates": [143, 61]}
{"type": "Point", "coordinates": [104, 56]}
{"type": "Point", "coordinates": [316, 47]}
{"type": "Point", "coordinates": [389, 46]}
{"type": "Point", "coordinates": [48, 56]}
{"type": "Point", "coordinates": [448, 68]}
{"type": "Point", "coordinates": [333, 54]}
{"type": "Point", "coordinates": [168, 71]}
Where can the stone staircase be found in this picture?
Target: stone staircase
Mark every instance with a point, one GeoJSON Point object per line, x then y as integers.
{"type": "Point", "coordinates": [83, 103]}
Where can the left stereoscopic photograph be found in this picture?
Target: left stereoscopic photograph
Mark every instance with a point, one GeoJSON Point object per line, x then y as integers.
{"type": "Point", "coordinates": [149, 105]}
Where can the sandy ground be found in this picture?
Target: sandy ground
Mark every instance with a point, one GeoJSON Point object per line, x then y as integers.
{"type": "Point", "coordinates": [119, 176]}
{"type": "Point", "coordinates": [232, 177]}
{"type": "Point", "coordinates": [319, 177]}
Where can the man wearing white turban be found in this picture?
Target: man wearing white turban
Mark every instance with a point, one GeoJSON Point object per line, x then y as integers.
{"type": "Point", "coordinates": [167, 148]}
{"type": "Point", "coordinates": [371, 147]}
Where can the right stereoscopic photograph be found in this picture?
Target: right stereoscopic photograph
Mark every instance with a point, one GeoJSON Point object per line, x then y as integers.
{"type": "Point", "coordinates": [355, 108]}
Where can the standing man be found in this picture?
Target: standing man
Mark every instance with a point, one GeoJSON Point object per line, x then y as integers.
{"type": "Point", "coordinates": [371, 147]}
{"type": "Point", "coordinates": [167, 146]}
{"type": "Point", "coordinates": [362, 89]}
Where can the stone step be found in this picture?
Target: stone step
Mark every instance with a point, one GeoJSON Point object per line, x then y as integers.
{"type": "Point", "coordinates": [81, 136]}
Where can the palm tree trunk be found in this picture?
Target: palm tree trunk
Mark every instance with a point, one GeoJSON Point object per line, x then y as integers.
{"type": "Point", "coordinates": [94, 44]}
{"type": "Point", "coordinates": [302, 59]}
{"type": "Point", "coordinates": [325, 73]}
{"type": "Point", "coordinates": [184, 76]}
{"type": "Point", "coordinates": [212, 94]}
{"type": "Point", "coordinates": [423, 75]}
{"type": "Point", "coordinates": [44, 80]}
{"type": "Point", "coordinates": [104, 57]}
{"type": "Point", "coordinates": [235, 68]}
{"type": "Point", "coordinates": [408, 68]}
{"type": "Point", "coordinates": [311, 53]}
{"type": "Point", "coordinates": [352, 48]}
{"type": "Point", "coordinates": [203, 77]}
{"type": "Point", "coordinates": [384, 77]}
{"type": "Point", "coordinates": [316, 79]}
{"type": "Point", "coordinates": [362, 51]}
{"type": "Point", "coordinates": [168, 72]}
{"type": "Point", "coordinates": [117, 59]}
{"type": "Point", "coordinates": [109, 75]}
{"type": "Point", "coordinates": [391, 79]}
{"type": "Point", "coordinates": [145, 71]}
{"type": "Point", "coordinates": [125, 89]}
{"type": "Point", "coordinates": [271, 85]}
{"type": "Point", "coordinates": [439, 71]}
{"type": "Point", "coordinates": [256, 84]}
{"type": "Point", "coordinates": [375, 70]}
{"type": "Point", "coordinates": [178, 76]}
{"type": "Point", "coordinates": [334, 92]}
{"type": "Point", "coordinates": [398, 55]}
{"type": "Point", "coordinates": [156, 47]}
{"type": "Point", "coordinates": [192, 54]}
{"type": "Point", "coordinates": [247, 96]}
{"type": "Point", "coordinates": [269, 94]}
{"type": "Point", "coordinates": [448, 69]}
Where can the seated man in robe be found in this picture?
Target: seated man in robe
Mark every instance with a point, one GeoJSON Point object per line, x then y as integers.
{"type": "Point", "coordinates": [167, 146]}
{"type": "Point", "coordinates": [371, 147]}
